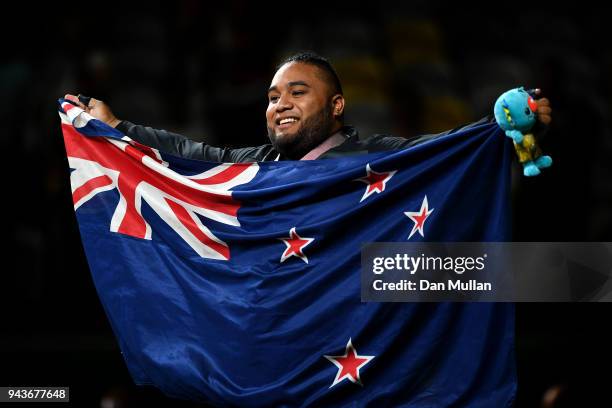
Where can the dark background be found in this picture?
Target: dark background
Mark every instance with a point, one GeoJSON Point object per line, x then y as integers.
{"type": "Point", "coordinates": [203, 71]}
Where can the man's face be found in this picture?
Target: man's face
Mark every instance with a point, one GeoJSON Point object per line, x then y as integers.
{"type": "Point", "coordinates": [299, 115]}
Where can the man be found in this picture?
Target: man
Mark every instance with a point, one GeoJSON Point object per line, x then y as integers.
{"type": "Point", "coordinates": [305, 120]}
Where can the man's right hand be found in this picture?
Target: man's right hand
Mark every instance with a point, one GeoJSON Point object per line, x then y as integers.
{"type": "Point", "coordinates": [97, 109]}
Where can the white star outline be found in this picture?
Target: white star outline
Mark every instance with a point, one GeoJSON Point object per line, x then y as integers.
{"type": "Point", "coordinates": [413, 214]}
{"type": "Point", "coordinates": [369, 171]}
{"type": "Point", "coordinates": [338, 379]}
{"type": "Point", "coordinates": [286, 256]}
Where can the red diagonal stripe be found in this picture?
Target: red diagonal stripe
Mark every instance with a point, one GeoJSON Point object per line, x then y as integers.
{"type": "Point", "coordinates": [141, 150]}
{"type": "Point", "coordinates": [188, 222]}
{"type": "Point", "coordinates": [225, 204]}
{"type": "Point", "coordinates": [67, 106]}
{"type": "Point", "coordinates": [100, 181]}
{"type": "Point", "coordinates": [226, 175]}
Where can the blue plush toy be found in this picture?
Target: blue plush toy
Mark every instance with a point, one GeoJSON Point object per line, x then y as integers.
{"type": "Point", "coordinates": [515, 113]}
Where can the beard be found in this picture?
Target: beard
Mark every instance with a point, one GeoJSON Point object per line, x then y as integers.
{"type": "Point", "coordinates": [311, 133]}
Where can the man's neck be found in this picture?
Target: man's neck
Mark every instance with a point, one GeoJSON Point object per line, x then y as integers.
{"type": "Point", "coordinates": [336, 139]}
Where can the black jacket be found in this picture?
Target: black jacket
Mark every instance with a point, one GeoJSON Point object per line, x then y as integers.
{"type": "Point", "coordinates": [181, 146]}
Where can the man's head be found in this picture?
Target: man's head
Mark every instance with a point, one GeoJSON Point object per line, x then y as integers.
{"type": "Point", "coordinates": [305, 104]}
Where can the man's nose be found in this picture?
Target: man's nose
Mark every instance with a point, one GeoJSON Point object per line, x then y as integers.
{"type": "Point", "coordinates": [284, 103]}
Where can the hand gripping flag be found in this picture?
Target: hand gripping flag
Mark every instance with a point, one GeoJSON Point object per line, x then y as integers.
{"type": "Point", "coordinates": [238, 284]}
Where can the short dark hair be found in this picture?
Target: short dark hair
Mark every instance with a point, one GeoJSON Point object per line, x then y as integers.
{"type": "Point", "coordinates": [312, 58]}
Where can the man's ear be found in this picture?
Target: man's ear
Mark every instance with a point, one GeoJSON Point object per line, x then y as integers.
{"type": "Point", "coordinates": [338, 105]}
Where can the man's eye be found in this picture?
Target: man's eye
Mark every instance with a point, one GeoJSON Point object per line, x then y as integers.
{"type": "Point", "coordinates": [273, 98]}
{"type": "Point", "coordinates": [298, 92]}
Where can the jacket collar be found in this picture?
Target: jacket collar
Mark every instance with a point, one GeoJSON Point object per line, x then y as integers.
{"type": "Point", "coordinates": [349, 147]}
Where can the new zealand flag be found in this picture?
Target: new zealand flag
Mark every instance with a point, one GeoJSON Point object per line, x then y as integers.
{"type": "Point", "coordinates": [238, 284]}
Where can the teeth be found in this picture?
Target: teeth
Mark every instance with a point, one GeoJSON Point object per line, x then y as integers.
{"type": "Point", "coordinates": [287, 120]}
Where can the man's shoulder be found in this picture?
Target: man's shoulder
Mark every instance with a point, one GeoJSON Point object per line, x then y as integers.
{"type": "Point", "coordinates": [383, 141]}
{"type": "Point", "coordinates": [355, 144]}
{"type": "Point", "coordinates": [264, 152]}
{"type": "Point", "coordinates": [380, 142]}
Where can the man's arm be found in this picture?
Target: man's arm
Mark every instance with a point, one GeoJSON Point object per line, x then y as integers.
{"type": "Point", "coordinates": [424, 138]}
{"type": "Point", "coordinates": [543, 114]}
{"type": "Point", "coordinates": [398, 143]}
{"type": "Point", "coordinates": [171, 143]}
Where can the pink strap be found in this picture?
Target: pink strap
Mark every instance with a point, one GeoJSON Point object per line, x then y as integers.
{"type": "Point", "coordinates": [334, 140]}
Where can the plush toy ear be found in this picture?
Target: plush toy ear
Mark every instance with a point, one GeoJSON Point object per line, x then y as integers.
{"type": "Point", "coordinates": [506, 109]}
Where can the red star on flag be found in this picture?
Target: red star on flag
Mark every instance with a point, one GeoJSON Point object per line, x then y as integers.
{"type": "Point", "coordinates": [295, 246]}
{"type": "Point", "coordinates": [376, 181]}
{"type": "Point", "coordinates": [349, 365]}
{"type": "Point", "coordinates": [419, 218]}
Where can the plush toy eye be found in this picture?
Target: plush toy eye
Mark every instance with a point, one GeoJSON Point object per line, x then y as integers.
{"type": "Point", "coordinates": [527, 111]}
{"type": "Point", "coordinates": [533, 105]}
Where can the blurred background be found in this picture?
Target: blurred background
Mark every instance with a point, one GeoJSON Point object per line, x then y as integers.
{"type": "Point", "coordinates": [203, 71]}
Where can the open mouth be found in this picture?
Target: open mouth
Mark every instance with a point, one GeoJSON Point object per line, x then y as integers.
{"type": "Point", "coordinates": [287, 122]}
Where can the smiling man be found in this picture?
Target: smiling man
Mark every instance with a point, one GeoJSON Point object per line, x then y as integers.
{"type": "Point", "coordinates": [305, 121]}
{"type": "Point", "coordinates": [305, 107]}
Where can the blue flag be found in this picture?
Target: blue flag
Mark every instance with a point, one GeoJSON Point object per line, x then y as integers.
{"type": "Point", "coordinates": [238, 284]}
